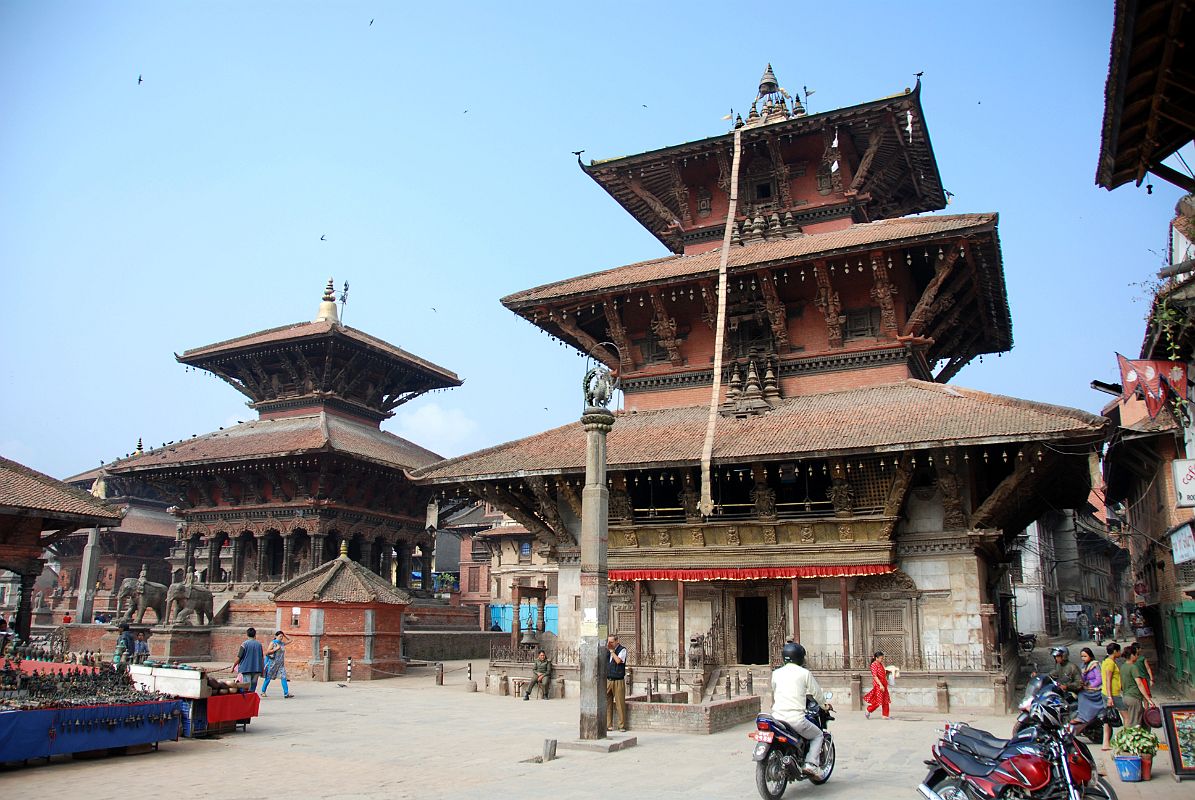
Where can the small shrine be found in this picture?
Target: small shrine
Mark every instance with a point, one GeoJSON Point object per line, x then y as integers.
{"type": "Point", "coordinates": [345, 609]}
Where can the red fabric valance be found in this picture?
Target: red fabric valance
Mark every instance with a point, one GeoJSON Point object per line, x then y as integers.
{"type": "Point", "coordinates": [748, 573]}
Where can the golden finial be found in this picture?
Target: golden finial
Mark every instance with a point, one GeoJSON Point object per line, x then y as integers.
{"type": "Point", "coordinates": [344, 548]}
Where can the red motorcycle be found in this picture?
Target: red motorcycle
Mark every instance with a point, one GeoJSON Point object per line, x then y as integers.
{"type": "Point", "coordinates": [1043, 762]}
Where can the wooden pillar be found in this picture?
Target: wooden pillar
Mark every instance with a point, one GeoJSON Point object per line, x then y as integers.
{"type": "Point", "coordinates": [261, 559]}
{"type": "Point", "coordinates": [638, 619]}
{"type": "Point", "coordinates": [237, 572]}
{"type": "Point", "coordinates": [213, 558]}
{"type": "Point", "coordinates": [317, 549]}
{"type": "Point", "coordinates": [541, 609]}
{"type": "Point", "coordinates": [846, 624]}
{"type": "Point", "coordinates": [680, 621]}
{"type": "Point", "coordinates": [24, 620]}
{"type": "Point", "coordinates": [287, 549]}
{"type": "Point", "coordinates": [796, 611]}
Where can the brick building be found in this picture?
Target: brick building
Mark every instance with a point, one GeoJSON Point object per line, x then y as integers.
{"type": "Point", "coordinates": [840, 492]}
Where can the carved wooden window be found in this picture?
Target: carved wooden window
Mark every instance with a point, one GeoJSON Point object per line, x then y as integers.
{"type": "Point", "coordinates": [763, 191]}
{"type": "Point", "coordinates": [524, 552]}
{"type": "Point", "coordinates": [862, 323]}
{"type": "Point", "coordinates": [651, 350]}
{"type": "Point", "coordinates": [889, 634]}
{"type": "Point", "coordinates": [479, 551]}
{"type": "Point", "coordinates": [475, 579]}
{"type": "Point", "coordinates": [552, 584]}
{"type": "Point", "coordinates": [1014, 570]}
{"type": "Point", "coordinates": [624, 622]}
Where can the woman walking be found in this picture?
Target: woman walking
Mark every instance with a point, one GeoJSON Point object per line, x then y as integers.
{"type": "Point", "coordinates": [276, 663]}
{"type": "Point", "coordinates": [878, 697]}
{"type": "Point", "coordinates": [1091, 696]}
{"type": "Point", "coordinates": [1112, 688]}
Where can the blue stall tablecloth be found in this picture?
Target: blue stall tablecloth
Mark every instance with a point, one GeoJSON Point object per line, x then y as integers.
{"type": "Point", "coordinates": [59, 731]}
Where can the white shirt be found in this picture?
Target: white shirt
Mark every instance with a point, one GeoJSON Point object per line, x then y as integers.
{"type": "Point", "coordinates": [790, 685]}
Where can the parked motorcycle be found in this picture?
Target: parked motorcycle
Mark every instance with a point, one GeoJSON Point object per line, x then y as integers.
{"type": "Point", "coordinates": [779, 751]}
{"type": "Point", "coordinates": [1042, 761]}
{"type": "Point", "coordinates": [1027, 641]}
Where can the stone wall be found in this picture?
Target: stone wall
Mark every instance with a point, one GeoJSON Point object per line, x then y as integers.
{"type": "Point", "coordinates": [451, 645]}
{"type": "Point", "coordinates": [702, 718]}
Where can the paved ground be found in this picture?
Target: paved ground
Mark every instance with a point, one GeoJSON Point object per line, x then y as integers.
{"type": "Point", "coordinates": [407, 738]}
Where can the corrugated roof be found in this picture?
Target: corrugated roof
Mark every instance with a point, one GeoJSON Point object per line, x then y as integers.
{"type": "Point", "coordinates": [267, 438]}
{"type": "Point", "coordinates": [25, 489]}
{"type": "Point", "coordinates": [340, 580]}
{"type": "Point", "coordinates": [865, 235]}
{"type": "Point", "coordinates": [907, 415]}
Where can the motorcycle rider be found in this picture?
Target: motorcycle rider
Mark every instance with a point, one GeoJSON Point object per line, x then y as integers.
{"type": "Point", "coordinates": [1065, 674]}
{"type": "Point", "coordinates": [791, 685]}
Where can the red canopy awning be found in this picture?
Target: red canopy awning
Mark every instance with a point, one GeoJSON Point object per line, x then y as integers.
{"type": "Point", "coordinates": [748, 573]}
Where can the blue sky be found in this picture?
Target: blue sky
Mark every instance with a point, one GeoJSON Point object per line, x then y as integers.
{"type": "Point", "coordinates": [137, 221]}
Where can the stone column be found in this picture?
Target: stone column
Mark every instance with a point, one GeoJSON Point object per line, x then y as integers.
{"type": "Point", "coordinates": [189, 557]}
{"type": "Point", "coordinates": [846, 624]}
{"type": "Point", "coordinates": [24, 619]}
{"type": "Point", "coordinates": [595, 612]}
{"type": "Point", "coordinates": [638, 618]}
{"type": "Point", "coordinates": [288, 540]}
{"type": "Point", "coordinates": [680, 622]}
{"type": "Point", "coordinates": [516, 607]}
{"type": "Point", "coordinates": [85, 603]}
{"type": "Point", "coordinates": [425, 572]}
{"type": "Point", "coordinates": [384, 562]}
{"type": "Point", "coordinates": [317, 549]}
{"type": "Point", "coordinates": [541, 625]}
{"type": "Point", "coordinates": [796, 610]}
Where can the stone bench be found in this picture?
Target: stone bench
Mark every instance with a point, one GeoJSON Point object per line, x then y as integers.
{"type": "Point", "coordinates": [518, 685]}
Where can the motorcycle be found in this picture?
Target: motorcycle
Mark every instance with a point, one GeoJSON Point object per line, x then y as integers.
{"type": "Point", "coordinates": [779, 751]}
{"type": "Point", "coordinates": [1042, 761]}
{"type": "Point", "coordinates": [1027, 641]}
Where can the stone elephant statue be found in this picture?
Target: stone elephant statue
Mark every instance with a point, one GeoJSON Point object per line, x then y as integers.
{"type": "Point", "coordinates": [184, 600]}
{"type": "Point", "coordinates": [152, 596]}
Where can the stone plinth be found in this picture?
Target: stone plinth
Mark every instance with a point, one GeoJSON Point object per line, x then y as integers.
{"type": "Point", "coordinates": [180, 644]}
{"type": "Point", "coordinates": [682, 717]}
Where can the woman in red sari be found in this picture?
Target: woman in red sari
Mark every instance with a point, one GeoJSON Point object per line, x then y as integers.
{"type": "Point", "coordinates": [878, 697]}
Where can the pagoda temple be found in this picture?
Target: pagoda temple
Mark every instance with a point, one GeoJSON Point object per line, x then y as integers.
{"type": "Point", "coordinates": [841, 493]}
{"type": "Point", "coordinates": [267, 500]}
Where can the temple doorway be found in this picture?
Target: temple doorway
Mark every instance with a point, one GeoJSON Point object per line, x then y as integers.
{"type": "Point", "coordinates": [752, 615]}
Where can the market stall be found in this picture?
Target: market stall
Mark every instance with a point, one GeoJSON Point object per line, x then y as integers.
{"type": "Point", "coordinates": [51, 708]}
{"type": "Point", "coordinates": [209, 704]}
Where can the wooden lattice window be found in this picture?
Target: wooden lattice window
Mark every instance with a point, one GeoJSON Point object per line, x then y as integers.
{"type": "Point", "coordinates": [474, 580]}
{"type": "Point", "coordinates": [624, 622]}
{"type": "Point", "coordinates": [888, 634]}
{"type": "Point", "coordinates": [862, 323]}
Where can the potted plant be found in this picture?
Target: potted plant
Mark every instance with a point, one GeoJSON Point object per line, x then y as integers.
{"type": "Point", "coordinates": [1129, 742]}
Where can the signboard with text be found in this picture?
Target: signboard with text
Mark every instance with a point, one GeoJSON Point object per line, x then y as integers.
{"type": "Point", "coordinates": [1184, 481]}
{"type": "Point", "coordinates": [1182, 544]}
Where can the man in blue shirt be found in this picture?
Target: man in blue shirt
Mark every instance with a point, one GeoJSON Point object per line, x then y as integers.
{"type": "Point", "coordinates": [251, 660]}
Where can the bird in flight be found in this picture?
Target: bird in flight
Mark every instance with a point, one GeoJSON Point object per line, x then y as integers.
{"type": "Point", "coordinates": [323, 237]}
{"type": "Point", "coordinates": [371, 23]}
{"type": "Point", "coordinates": [139, 81]}
{"type": "Point", "coordinates": [466, 111]}
{"type": "Point", "coordinates": [644, 105]}
{"type": "Point", "coordinates": [433, 308]}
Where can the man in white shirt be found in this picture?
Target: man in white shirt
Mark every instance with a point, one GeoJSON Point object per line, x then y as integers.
{"type": "Point", "coordinates": [791, 684]}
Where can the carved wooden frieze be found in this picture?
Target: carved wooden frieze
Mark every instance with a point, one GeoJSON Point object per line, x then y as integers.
{"type": "Point", "coordinates": [953, 503]}
{"type": "Point", "coordinates": [777, 317]}
{"type": "Point", "coordinates": [618, 334]}
{"type": "Point", "coordinates": [665, 537]}
{"type": "Point", "coordinates": [827, 300]}
{"type": "Point", "coordinates": [769, 534]}
{"type": "Point", "coordinates": [882, 291]}
{"type": "Point", "coordinates": [664, 327]}
{"type": "Point", "coordinates": [846, 533]}
{"type": "Point", "coordinates": [732, 537]}
{"type": "Point", "coordinates": [805, 533]}
{"type": "Point", "coordinates": [780, 169]}
{"type": "Point", "coordinates": [842, 495]}
{"type": "Point", "coordinates": [680, 193]}
{"type": "Point", "coordinates": [632, 537]}
{"type": "Point", "coordinates": [697, 537]}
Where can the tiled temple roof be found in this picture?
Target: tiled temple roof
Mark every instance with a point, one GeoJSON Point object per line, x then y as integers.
{"type": "Point", "coordinates": [340, 580]}
{"type": "Point", "coordinates": [24, 490]}
{"type": "Point", "coordinates": [284, 436]}
{"type": "Point", "coordinates": [891, 232]}
{"type": "Point", "coordinates": [891, 417]}
{"type": "Point", "coordinates": [313, 330]}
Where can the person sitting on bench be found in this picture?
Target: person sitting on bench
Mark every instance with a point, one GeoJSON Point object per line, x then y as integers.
{"type": "Point", "coordinates": [540, 676]}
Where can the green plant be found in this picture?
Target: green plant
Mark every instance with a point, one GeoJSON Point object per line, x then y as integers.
{"type": "Point", "coordinates": [445, 581]}
{"type": "Point", "coordinates": [1135, 741]}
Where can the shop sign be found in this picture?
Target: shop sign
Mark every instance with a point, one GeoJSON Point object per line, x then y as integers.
{"type": "Point", "coordinates": [1182, 545]}
{"type": "Point", "coordinates": [1184, 481]}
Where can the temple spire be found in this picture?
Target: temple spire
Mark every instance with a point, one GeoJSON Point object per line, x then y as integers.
{"type": "Point", "coordinates": [327, 307]}
{"type": "Point", "coordinates": [768, 83]}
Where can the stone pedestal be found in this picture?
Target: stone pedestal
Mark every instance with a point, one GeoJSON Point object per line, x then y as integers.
{"type": "Point", "coordinates": [180, 644]}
